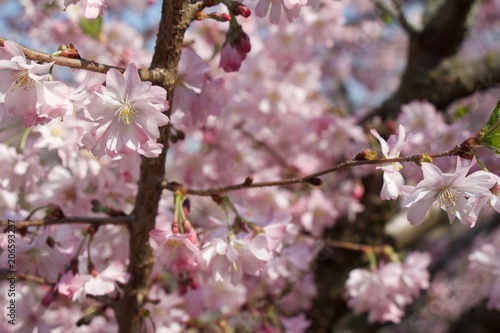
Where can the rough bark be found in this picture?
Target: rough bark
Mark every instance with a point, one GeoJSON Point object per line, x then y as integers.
{"type": "Point", "coordinates": [175, 19]}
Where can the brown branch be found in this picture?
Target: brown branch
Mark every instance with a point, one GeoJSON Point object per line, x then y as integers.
{"type": "Point", "coordinates": [357, 247]}
{"type": "Point", "coordinates": [69, 220]}
{"type": "Point", "coordinates": [310, 178]}
{"type": "Point", "coordinates": [154, 76]}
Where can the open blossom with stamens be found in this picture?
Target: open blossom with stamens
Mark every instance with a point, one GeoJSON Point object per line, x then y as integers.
{"type": "Point", "coordinates": [393, 180]}
{"type": "Point", "coordinates": [455, 193]}
{"type": "Point", "coordinates": [25, 90]}
{"type": "Point", "coordinates": [128, 113]}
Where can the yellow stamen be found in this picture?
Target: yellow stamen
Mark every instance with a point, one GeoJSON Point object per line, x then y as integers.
{"type": "Point", "coordinates": [22, 81]}
{"type": "Point", "coordinates": [448, 198]}
{"type": "Point", "coordinates": [126, 112]}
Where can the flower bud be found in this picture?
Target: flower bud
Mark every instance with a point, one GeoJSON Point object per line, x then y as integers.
{"type": "Point", "coordinates": [366, 155]}
{"type": "Point", "coordinates": [240, 9]}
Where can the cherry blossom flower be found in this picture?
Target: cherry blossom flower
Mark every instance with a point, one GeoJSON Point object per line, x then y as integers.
{"type": "Point", "coordinates": [191, 76]}
{"type": "Point", "coordinates": [449, 191]}
{"type": "Point", "coordinates": [223, 296]}
{"type": "Point", "coordinates": [178, 252]}
{"type": "Point", "coordinates": [94, 283]}
{"type": "Point", "coordinates": [228, 261]}
{"type": "Point", "coordinates": [492, 197]}
{"type": "Point", "coordinates": [128, 113]}
{"type": "Point", "coordinates": [485, 266]}
{"type": "Point", "coordinates": [393, 180]}
{"type": "Point", "coordinates": [290, 7]}
{"type": "Point", "coordinates": [92, 8]}
{"type": "Point", "coordinates": [26, 92]}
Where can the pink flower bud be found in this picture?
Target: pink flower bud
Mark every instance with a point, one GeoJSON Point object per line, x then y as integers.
{"type": "Point", "coordinates": [241, 9]}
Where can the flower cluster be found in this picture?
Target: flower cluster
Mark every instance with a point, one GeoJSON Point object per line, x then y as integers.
{"type": "Point", "coordinates": [385, 291]}
{"type": "Point", "coordinates": [461, 195]}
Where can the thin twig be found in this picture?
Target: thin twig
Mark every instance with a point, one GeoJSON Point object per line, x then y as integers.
{"type": "Point", "coordinates": [153, 75]}
{"type": "Point", "coordinates": [69, 220]}
{"type": "Point", "coordinates": [357, 247]}
{"type": "Point", "coordinates": [309, 178]}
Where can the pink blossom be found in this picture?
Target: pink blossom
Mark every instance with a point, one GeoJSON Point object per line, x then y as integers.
{"type": "Point", "coordinates": [94, 283]}
{"type": "Point", "coordinates": [26, 92]}
{"type": "Point", "coordinates": [290, 7]}
{"type": "Point", "coordinates": [228, 261]}
{"type": "Point", "coordinates": [177, 252]}
{"type": "Point", "coordinates": [385, 291]}
{"type": "Point", "coordinates": [128, 113]}
{"type": "Point", "coordinates": [92, 8]}
{"type": "Point", "coordinates": [316, 212]}
{"type": "Point", "coordinates": [170, 314]}
{"type": "Point", "coordinates": [485, 265]}
{"type": "Point", "coordinates": [223, 296]}
{"type": "Point", "coordinates": [450, 191]}
{"type": "Point", "coordinates": [296, 324]}
{"type": "Point", "coordinates": [192, 75]}
{"type": "Point", "coordinates": [393, 180]}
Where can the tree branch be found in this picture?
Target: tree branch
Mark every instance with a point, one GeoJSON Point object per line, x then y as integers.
{"type": "Point", "coordinates": [452, 80]}
{"type": "Point", "coordinates": [432, 72]}
{"type": "Point", "coordinates": [69, 220]}
{"type": "Point", "coordinates": [311, 178]}
{"type": "Point", "coordinates": [445, 29]}
{"type": "Point", "coordinates": [154, 76]}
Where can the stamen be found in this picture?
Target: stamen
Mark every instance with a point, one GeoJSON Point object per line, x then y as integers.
{"type": "Point", "coordinates": [448, 198]}
{"type": "Point", "coordinates": [126, 112]}
{"type": "Point", "coordinates": [22, 81]}
{"type": "Point", "coordinates": [397, 166]}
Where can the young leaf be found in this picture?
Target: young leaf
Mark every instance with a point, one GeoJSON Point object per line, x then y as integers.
{"type": "Point", "coordinates": [92, 27]}
{"type": "Point", "coordinates": [489, 136]}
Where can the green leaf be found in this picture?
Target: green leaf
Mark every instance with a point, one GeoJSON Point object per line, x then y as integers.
{"type": "Point", "coordinates": [461, 111]}
{"type": "Point", "coordinates": [489, 136]}
{"type": "Point", "coordinates": [386, 17]}
{"type": "Point", "coordinates": [91, 27]}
